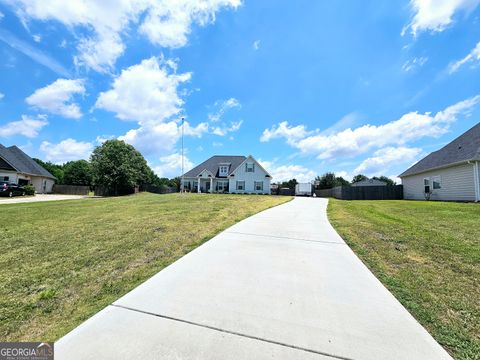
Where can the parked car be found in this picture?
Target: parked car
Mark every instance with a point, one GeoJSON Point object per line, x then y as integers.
{"type": "Point", "coordinates": [9, 189]}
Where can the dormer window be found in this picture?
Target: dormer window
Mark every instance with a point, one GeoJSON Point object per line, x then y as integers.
{"type": "Point", "coordinates": [223, 170]}
{"type": "Point", "coordinates": [249, 167]}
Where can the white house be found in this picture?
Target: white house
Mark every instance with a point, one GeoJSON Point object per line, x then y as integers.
{"type": "Point", "coordinates": [19, 168]}
{"type": "Point", "coordinates": [228, 174]}
{"type": "Point", "coordinates": [451, 173]}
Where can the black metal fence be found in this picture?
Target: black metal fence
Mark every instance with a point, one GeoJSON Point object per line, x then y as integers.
{"type": "Point", "coordinates": [363, 192]}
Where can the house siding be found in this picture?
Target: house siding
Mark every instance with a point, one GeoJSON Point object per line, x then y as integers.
{"type": "Point", "coordinates": [37, 183]}
{"type": "Point", "coordinates": [457, 184]}
{"type": "Point", "coordinates": [250, 178]}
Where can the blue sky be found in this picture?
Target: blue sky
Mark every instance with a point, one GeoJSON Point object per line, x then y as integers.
{"type": "Point", "coordinates": [305, 87]}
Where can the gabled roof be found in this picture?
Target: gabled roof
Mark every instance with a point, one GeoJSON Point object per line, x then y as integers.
{"type": "Point", "coordinates": [464, 148]}
{"type": "Point", "coordinates": [213, 164]}
{"type": "Point", "coordinates": [21, 162]}
{"type": "Point", "coordinates": [370, 182]}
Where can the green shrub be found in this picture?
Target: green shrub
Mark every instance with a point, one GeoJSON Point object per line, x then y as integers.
{"type": "Point", "coordinates": [29, 190]}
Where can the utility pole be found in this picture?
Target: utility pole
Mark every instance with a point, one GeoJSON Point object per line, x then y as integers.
{"type": "Point", "coordinates": [182, 184]}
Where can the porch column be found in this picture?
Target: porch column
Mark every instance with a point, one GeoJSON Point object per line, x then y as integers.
{"type": "Point", "coordinates": [198, 185]}
{"type": "Point", "coordinates": [211, 185]}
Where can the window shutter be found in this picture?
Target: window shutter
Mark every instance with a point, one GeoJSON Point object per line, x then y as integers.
{"type": "Point", "coordinates": [253, 167]}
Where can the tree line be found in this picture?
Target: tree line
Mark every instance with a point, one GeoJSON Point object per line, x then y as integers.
{"type": "Point", "coordinates": [115, 165]}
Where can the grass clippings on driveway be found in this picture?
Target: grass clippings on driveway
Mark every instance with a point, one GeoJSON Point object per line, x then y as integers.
{"type": "Point", "coordinates": [428, 255]}
{"type": "Point", "coordinates": [61, 262]}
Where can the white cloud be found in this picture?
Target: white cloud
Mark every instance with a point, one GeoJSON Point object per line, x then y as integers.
{"type": "Point", "coordinates": [347, 176]}
{"type": "Point", "coordinates": [66, 150]}
{"type": "Point", "coordinates": [37, 38]}
{"type": "Point", "coordinates": [224, 130]}
{"type": "Point", "coordinates": [345, 122]}
{"type": "Point", "coordinates": [160, 137]}
{"type": "Point", "coordinates": [168, 22]}
{"type": "Point", "coordinates": [165, 22]}
{"type": "Point", "coordinates": [415, 63]}
{"type": "Point", "coordinates": [100, 139]}
{"type": "Point", "coordinates": [57, 98]}
{"type": "Point", "coordinates": [386, 158]}
{"type": "Point", "coordinates": [145, 92]}
{"type": "Point", "coordinates": [256, 44]}
{"type": "Point", "coordinates": [27, 126]}
{"type": "Point", "coordinates": [222, 107]}
{"type": "Point", "coordinates": [2, 96]}
{"type": "Point", "coordinates": [171, 165]}
{"type": "Point", "coordinates": [436, 15]}
{"type": "Point", "coordinates": [350, 143]}
{"type": "Point", "coordinates": [287, 172]}
{"type": "Point", "coordinates": [1, 15]}
{"type": "Point", "coordinates": [291, 133]}
{"type": "Point", "coordinates": [33, 53]}
{"type": "Point", "coordinates": [473, 56]}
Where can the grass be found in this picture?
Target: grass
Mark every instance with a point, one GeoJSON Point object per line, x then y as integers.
{"type": "Point", "coordinates": [61, 262]}
{"type": "Point", "coordinates": [428, 255]}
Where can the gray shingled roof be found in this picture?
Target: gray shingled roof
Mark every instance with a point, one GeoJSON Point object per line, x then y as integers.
{"type": "Point", "coordinates": [464, 148]}
{"type": "Point", "coordinates": [22, 162]}
{"type": "Point", "coordinates": [370, 182]}
{"type": "Point", "coordinates": [213, 163]}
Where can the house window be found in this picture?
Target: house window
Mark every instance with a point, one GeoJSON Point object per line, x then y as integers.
{"type": "Point", "coordinates": [249, 167]}
{"type": "Point", "coordinates": [6, 178]}
{"type": "Point", "coordinates": [240, 185]}
{"type": "Point", "coordinates": [223, 170]}
{"type": "Point", "coordinates": [426, 184]}
{"type": "Point", "coordinates": [436, 182]}
{"type": "Point", "coordinates": [222, 185]}
{"type": "Point", "coordinates": [258, 185]}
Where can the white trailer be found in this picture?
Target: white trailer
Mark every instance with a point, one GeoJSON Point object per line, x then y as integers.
{"type": "Point", "coordinates": [303, 189]}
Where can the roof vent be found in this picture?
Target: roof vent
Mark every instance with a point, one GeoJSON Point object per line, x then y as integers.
{"type": "Point", "coordinates": [459, 147]}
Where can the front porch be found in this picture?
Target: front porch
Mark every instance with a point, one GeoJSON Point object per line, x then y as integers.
{"type": "Point", "coordinates": [207, 185]}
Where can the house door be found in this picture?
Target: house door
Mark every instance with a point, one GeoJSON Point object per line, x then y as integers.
{"type": "Point", "coordinates": [207, 186]}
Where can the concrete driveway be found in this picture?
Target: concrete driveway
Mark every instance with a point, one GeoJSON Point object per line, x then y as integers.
{"type": "Point", "coordinates": [279, 285]}
{"type": "Point", "coordinates": [38, 198]}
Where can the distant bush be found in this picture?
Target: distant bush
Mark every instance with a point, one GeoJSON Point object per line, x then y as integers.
{"type": "Point", "coordinates": [29, 190]}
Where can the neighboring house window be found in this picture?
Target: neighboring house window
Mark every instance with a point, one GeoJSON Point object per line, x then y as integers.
{"type": "Point", "coordinates": [6, 178]}
{"type": "Point", "coordinates": [249, 167]}
{"type": "Point", "coordinates": [436, 182]}
{"type": "Point", "coordinates": [223, 170]}
{"type": "Point", "coordinates": [240, 185]}
{"type": "Point", "coordinates": [258, 185]}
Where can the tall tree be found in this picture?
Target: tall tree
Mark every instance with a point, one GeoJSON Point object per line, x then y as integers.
{"type": "Point", "coordinates": [289, 184]}
{"type": "Point", "coordinates": [119, 167]}
{"type": "Point", "coordinates": [327, 181]}
{"type": "Point", "coordinates": [358, 178]}
{"type": "Point", "coordinates": [340, 181]}
{"type": "Point", "coordinates": [77, 173]}
{"type": "Point", "coordinates": [389, 181]}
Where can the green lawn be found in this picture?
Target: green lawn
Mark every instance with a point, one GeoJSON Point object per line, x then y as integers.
{"type": "Point", "coordinates": [62, 261]}
{"type": "Point", "coordinates": [428, 255]}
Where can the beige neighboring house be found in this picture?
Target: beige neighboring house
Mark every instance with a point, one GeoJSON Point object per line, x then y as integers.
{"type": "Point", "coordinates": [451, 173]}
{"type": "Point", "coordinates": [228, 174]}
{"type": "Point", "coordinates": [19, 168]}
